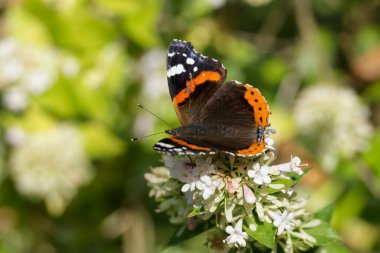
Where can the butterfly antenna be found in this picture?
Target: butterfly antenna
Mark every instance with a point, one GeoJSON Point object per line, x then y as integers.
{"type": "Point", "coordinates": [145, 109]}
{"type": "Point", "coordinates": [146, 136]}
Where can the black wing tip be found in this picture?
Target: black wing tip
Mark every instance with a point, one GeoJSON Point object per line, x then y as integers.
{"type": "Point", "coordinates": [180, 44]}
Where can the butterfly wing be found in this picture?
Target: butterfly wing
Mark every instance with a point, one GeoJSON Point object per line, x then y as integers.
{"type": "Point", "coordinates": [176, 146]}
{"type": "Point", "coordinates": [239, 114]}
{"type": "Point", "coordinates": [192, 79]}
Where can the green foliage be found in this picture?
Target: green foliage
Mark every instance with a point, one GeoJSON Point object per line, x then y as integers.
{"type": "Point", "coordinates": [264, 232]}
{"type": "Point", "coordinates": [323, 233]}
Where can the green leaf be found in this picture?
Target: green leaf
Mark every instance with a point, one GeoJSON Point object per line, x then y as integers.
{"type": "Point", "coordinates": [264, 232]}
{"type": "Point", "coordinates": [293, 179]}
{"type": "Point", "coordinates": [325, 213]}
{"type": "Point", "coordinates": [194, 212]}
{"type": "Point", "coordinates": [286, 182]}
{"type": "Point", "coordinates": [140, 25]}
{"type": "Point", "coordinates": [372, 93]}
{"type": "Point", "coordinates": [100, 142]}
{"type": "Point", "coordinates": [183, 234]}
{"type": "Point", "coordinates": [324, 234]}
{"type": "Point", "coordinates": [334, 247]}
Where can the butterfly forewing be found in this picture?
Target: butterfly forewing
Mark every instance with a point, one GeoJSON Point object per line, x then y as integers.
{"type": "Point", "coordinates": [192, 78]}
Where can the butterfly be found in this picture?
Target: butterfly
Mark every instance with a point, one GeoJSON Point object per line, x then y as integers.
{"type": "Point", "coordinates": [230, 117]}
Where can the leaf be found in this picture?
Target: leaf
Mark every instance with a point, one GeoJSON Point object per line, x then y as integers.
{"type": "Point", "coordinates": [334, 247]}
{"type": "Point", "coordinates": [100, 142]}
{"type": "Point", "coordinates": [325, 213]}
{"type": "Point", "coordinates": [184, 234]}
{"type": "Point", "coordinates": [288, 183]}
{"type": "Point", "coordinates": [194, 212]}
{"type": "Point", "coordinates": [293, 179]}
{"type": "Point", "coordinates": [324, 234]}
{"type": "Point", "coordinates": [264, 232]}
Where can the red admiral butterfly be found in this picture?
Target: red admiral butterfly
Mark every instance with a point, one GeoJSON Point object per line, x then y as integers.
{"type": "Point", "coordinates": [230, 117]}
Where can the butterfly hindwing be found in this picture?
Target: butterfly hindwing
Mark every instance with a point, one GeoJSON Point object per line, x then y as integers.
{"type": "Point", "coordinates": [244, 110]}
{"type": "Point", "coordinates": [229, 121]}
{"type": "Point", "coordinates": [175, 146]}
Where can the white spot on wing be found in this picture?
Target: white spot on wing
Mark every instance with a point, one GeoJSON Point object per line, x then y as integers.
{"type": "Point", "coordinates": [165, 145]}
{"type": "Point", "coordinates": [184, 55]}
{"type": "Point", "coordinates": [175, 70]}
{"type": "Point", "coordinates": [195, 69]}
{"type": "Point", "coordinates": [171, 54]}
{"type": "Point", "coordinates": [190, 61]}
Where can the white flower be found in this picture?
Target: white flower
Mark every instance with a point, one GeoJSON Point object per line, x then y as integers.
{"type": "Point", "coordinates": [233, 184]}
{"type": "Point", "coordinates": [204, 167]}
{"type": "Point", "coordinates": [52, 166]}
{"type": "Point", "coordinates": [282, 222]}
{"type": "Point", "coordinates": [70, 67]}
{"type": "Point", "coordinates": [152, 68]}
{"type": "Point", "coordinates": [158, 175]}
{"type": "Point", "coordinates": [14, 136]}
{"type": "Point", "coordinates": [217, 3]}
{"type": "Point", "coordinates": [236, 236]}
{"type": "Point", "coordinates": [293, 166]}
{"type": "Point", "coordinates": [249, 196]}
{"type": "Point", "coordinates": [259, 174]}
{"type": "Point", "coordinates": [269, 142]}
{"type": "Point", "coordinates": [15, 99]}
{"type": "Point", "coordinates": [31, 67]}
{"type": "Point", "coordinates": [335, 119]}
{"type": "Point", "coordinates": [12, 71]}
{"type": "Point", "coordinates": [180, 168]}
{"type": "Point", "coordinates": [188, 172]}
{"type": "Point", "coordinates": [39, 80]}
{"type": "Point", "coordinates": [208, 185]}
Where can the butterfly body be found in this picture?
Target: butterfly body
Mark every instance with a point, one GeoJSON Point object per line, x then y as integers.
{"type": "Point", "coordinates": [230, 117]}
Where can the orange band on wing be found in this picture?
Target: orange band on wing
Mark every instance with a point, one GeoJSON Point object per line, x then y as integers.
{"type": "Point", "coordinates": [259, 104]}
{"type": "Point", "coordinates": [190, 85]}
{"type": "Point", "coordinates": [260, 113]}
{"type": "Point", "coordinates": [254, 149]}
{"type": "Point", "coordinates": [184, 143]}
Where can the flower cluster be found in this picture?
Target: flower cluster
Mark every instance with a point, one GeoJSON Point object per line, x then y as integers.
{"type": "Point", "coordinates": [51, 166]}
{"type": "Point", "coordinates": [244, 197]}
{"type": "Point", "coordinates": [337, 119]}
{"type": "Point", "coordinates": [30, 70]}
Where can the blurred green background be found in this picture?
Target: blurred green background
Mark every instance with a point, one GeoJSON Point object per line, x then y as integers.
{"type": "Point", "coordinates": [73, 71]}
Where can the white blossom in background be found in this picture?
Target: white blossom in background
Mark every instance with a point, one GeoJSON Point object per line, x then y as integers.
{"type": "Point", "coordinates": [107, 58]}
{"type": "Point", "coordinates": [30, 66]}
{"type": "Point", "coordinates": [28, 69]}
{"type": "Point", "coordinates": [152, 68]}
{"type": "Point", "coordinates": [14, 136]}
{"type": "Point", "coordinates": [336, 118]}
{"type": "Point", "coordinates": [70, 67]}
{"type": "Point", "coordinates": [15, 99]}
{"type": "Point", "coordinates": [217, 3]}
{"type": "Point", "coordinates": [51, 166]}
